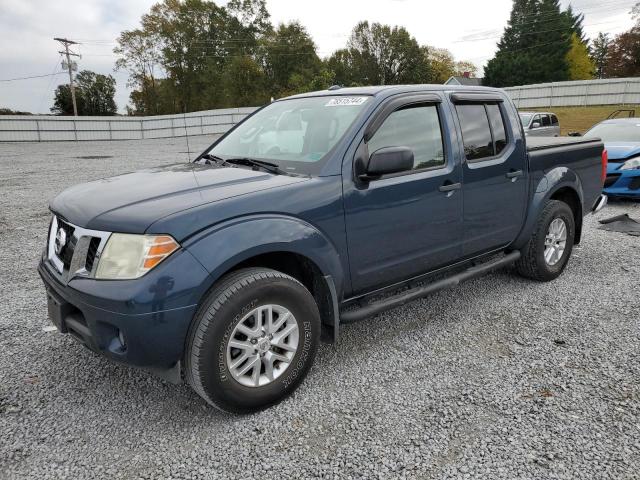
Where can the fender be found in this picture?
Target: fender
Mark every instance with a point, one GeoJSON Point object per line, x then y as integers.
{"type": "Point", "coordinates": [227, 244]}
{"type": "Point", "coordinates": [544, 189]}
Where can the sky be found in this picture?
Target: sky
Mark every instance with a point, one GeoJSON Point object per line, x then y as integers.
{"type": "Point", "coordinates": [470, 29]}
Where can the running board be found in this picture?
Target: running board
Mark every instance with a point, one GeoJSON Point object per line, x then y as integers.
{"type": "Point", "coordinates": [371, 309]}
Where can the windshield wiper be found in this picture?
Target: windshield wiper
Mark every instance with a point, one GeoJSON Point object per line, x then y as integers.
{"type": "Point", "coordinates": [208, 157]}
{"type": "Point", "coordinates": [252, 162]}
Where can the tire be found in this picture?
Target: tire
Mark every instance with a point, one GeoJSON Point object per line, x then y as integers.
{"type": "Point", "coordinates": [209, 359]}
{"type": "Point", "coordinates": [533, 264]}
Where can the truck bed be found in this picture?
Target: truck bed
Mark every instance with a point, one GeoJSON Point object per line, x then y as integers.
{"type": "Point", "coordinates": [542, 143]}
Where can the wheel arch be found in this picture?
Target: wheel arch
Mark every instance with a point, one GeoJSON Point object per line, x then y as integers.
{"type": "Point", "coordinates": [560, 183]}
{"type": "Point", "coordinates": [285, 244]}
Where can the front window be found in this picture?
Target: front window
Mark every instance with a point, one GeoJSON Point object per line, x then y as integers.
{"type": "Point", "coordinates": [296, 134]}
{"type": "Point", "coordinates": [416, 127]}
{"type": "Point", "coordinates": [525, 118]}
{"type": "Point", "coordinates": [616, 132]}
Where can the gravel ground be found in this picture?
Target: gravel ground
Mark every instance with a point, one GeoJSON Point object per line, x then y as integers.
{"type": "Point", "coordinates": [497, 378]}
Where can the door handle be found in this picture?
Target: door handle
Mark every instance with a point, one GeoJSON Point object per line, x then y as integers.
{"type": "Point", "coordinates": [449, 187]}
{"type": "Point", "coordinates": [515, 174]}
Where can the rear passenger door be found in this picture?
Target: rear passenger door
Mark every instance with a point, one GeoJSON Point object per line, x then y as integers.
{"type": "Point", "coordinates": [494, 174]}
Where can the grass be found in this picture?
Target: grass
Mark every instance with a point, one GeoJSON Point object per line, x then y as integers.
{"type": "Point", "coordinates": [580, 119]}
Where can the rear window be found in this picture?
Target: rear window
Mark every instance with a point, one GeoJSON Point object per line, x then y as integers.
{"type": "Point", "coordinates": [476, 133]}
{"type": "Point", "coordinates": [554, 121]}
{"type": "Point", "coordinates": [483, 130]}
{"type": "Point", "coordinates": [497, 126]}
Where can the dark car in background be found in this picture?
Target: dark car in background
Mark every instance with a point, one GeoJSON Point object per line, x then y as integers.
{"type": "Point", "coordinates": [621, 137]}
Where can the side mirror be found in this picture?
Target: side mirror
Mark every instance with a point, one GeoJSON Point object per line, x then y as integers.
{"type": "Point", "coordinates": [535, 125]}
{"type": "Point", "coordinates": [574, 134]}
{"type": "Point", "coordinates": [386, 161]}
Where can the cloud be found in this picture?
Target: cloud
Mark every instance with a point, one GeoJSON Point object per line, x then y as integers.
{"type": "Point", "coordinates": [27, 27]}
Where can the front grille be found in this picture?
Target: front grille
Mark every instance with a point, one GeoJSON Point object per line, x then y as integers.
{"type": "Point", "coordinates": [634, 184]}
{"type": "Point", "coordinates": [66, 254]}
{"type": "Point", "coordinates": [92, 251]}
{"type": "Point", "coordinates": [80, 252]}
{"type": "Point", "coordinates": [611, 179]}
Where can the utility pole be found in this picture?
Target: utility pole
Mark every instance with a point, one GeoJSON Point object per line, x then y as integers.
{"type": "Point", "coordinates": [69, 54]}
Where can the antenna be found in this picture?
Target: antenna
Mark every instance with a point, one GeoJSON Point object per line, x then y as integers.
{"type": "Point", "coordinates": [186, 133]}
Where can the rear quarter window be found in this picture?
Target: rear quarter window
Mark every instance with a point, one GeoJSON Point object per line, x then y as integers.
{"type": "Point", "coordinates": [476, 133]}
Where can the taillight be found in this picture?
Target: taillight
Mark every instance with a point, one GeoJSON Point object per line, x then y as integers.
{"type": "Point", "coordinates": [605, 162]}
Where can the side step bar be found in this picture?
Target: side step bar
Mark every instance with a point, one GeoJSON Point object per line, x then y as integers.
{"type": "Point", "coordinates": [371, 309]}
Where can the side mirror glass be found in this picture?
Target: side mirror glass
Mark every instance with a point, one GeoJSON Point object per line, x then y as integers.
{"type": "Point", "coordinates": [535, 125]}
{"type": "Point", "coordinates": [386, 161]}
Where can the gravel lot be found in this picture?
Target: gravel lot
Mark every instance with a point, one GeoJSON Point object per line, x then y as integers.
{"type": "Point", "coordinates": [498, 378]}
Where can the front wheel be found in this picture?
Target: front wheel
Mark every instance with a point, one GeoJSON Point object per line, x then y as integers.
{"type": "Point", "coordinates": [547, 253]}
{"type": "Point", "coordinates": [252, 341]}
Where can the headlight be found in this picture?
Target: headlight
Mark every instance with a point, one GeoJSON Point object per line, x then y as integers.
{"type": "Point", "coordinates": [631, 164]}
{"type": "Point", "coordinates": [129, 256]}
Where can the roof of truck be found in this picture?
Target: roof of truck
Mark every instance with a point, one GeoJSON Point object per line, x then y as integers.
{"type": "Point", "coordinates": [393, 89]}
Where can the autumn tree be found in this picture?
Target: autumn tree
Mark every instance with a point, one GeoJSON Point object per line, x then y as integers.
{"type": "Point", "coordinates": [581, 67]}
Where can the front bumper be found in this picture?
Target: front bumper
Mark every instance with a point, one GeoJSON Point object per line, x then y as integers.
{"type": "Point", "coordinates": [622, 183]}
{"type": "Point", "coordinates": [142, 322]}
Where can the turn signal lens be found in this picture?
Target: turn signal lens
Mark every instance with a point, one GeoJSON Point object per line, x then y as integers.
{"type": "Point", "coordinates": [129, 256]}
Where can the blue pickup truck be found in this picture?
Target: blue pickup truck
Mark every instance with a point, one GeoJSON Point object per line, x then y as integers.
{"type": "Point", "coordinates": [315, 211]}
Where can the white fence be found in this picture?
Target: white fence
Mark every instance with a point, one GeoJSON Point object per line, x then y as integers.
{"type": "Point", "coordinates": [614, 91]}
{"type": "Point", "coordinates": [43, 128]}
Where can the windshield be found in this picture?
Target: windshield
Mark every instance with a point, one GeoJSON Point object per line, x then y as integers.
{"type": "Point", "coordinates": [295, 134]}
{"type": "Point", "coordinates": [525, 118]}
{"type": "Point", "coordinates": [616, 132]}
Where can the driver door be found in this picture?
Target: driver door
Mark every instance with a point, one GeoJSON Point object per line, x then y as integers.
{"type": "Point", "coordinates": [402, 225]}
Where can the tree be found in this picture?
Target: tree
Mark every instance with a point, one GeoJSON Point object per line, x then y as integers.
{"type": "Point", "coordinates": [382, 55]}
{"type": "Point", "coordinates": [244, 83]}
{"type": "Point", "coordinates": [94, 95]}
{"type": "Point", "coordinates": [534, 45]}
{"type": "Point", "coordinates": [291, 63]}
{"type": "Point", "coordinates": [443, 65]}
{"type": "Point", "coordinates": [8, 111]}
{"type": "Point", "coordinates": [623, 58]}
{"type": "Point", "coordinates": [139, 53]}
{"type": "Point", "coordinates": [600, 52]}
{"type": "Point", "coordinates": [581, 67]}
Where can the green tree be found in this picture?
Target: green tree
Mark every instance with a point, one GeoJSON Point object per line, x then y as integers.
{"type": "Point", "coordinates": [534, 45]}
{"type": "Point", "coordinates": [581, 67]}
{"type": "Point", "coordinates": [381, 55]}
{"type": "Point", "coordinates": [94, 95]}
{"type": "Point", "coordinates": [291, 63]}
{"type": "Point", "coordinates": [244, 83]}
{"type": "Point", "coordinates": [600, 52]}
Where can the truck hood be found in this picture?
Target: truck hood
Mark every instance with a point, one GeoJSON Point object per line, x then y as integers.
{"type": "Point", "coordinates": [131, 202]}
{"type": "Point", "coordinates": [619, 152]}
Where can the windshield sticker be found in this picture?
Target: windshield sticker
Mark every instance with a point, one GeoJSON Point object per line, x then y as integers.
{"type": "Point", "coordinates": [345, 101]}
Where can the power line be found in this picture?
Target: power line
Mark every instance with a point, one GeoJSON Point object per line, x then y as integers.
{"type": "Point", "coordinates": [28, 78]}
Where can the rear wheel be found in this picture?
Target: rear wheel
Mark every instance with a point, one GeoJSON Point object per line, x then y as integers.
{"type": "Point", "coordinates": [252, 341]}
{"type": "Point", "coordinates": [546, 255]}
